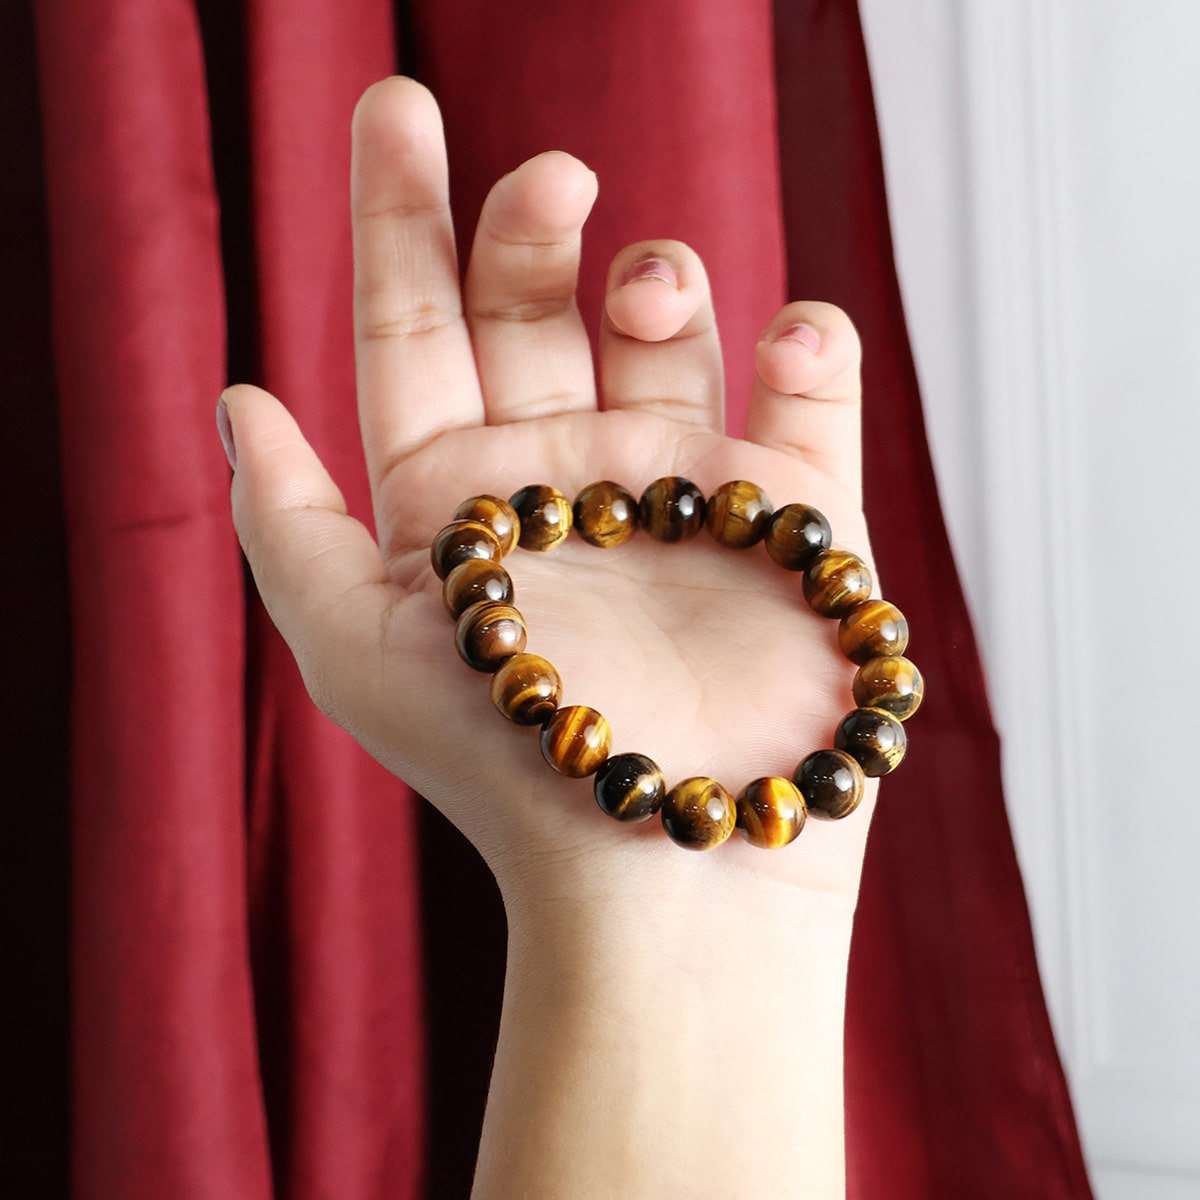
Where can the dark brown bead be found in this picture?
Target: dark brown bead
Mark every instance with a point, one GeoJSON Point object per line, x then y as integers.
{"type": "Point", "coordinates": [672, 509]}
{"type": "Point", "coordinates": [737, 514]}
{"type": "Point", "coordinates": [796, 534]}
{"type": "Point", "coordinates": [498, 515]}
{"type": "Point", "coordinates": [545, 516]}
{"type": "Point", "coordinates": [891, 683]}
{"type": "Point", "coordinates": [475, 580]}
{"type": "Point", "coordinates": [835, 582]}
{"type": "Point", "coordinates": [871, 629]}
{"type": "Point", "coordinates": [831, 783]}
{"type": "Point", "coordinates": [527, 689]}
{"type": "Point", "coordinates": [771, 812]}
{"type": "Point", "coordinates": [630, 787]}
{"type": "Point", "coordinates": [575, 741]}
{"type": "Point", "coordinates": [874, 738]}
{"type": "Point", "coordinates": [488, 633]}
{"type": "Point", "coordinates": [459, 541]}
{"type": "Point", "coordinates": [605, 514]}
{"type": "Point", "coordinates": [698, 813]}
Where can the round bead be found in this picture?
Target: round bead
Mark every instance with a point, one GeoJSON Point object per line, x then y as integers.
{"type": "Point", "coordinates": [874, 738]}
{"type": "Point", "coordinates": [630, 787]}
{"type": "Point", "coordinates": [737, 514]}
{"type": "Point", "coordinates": [527, 689]}
{"type": "Point", "coordinates": [475, 580]}
{"type": "Point", "coordinates": [698, 813]}
{"type": "Point", "coordinates": [871, 629]}
{"type": "Point", "coordinates": [771, 812]}
{"type": "Point", "coordinates": [575, 740]}
{"type": "Point", "coordinates": [488, 633]}
{"type": "Point", "coordinates": [831, 783]}
{"type": "Point", "coordinates": [545, 516]}
{"type": "Point", "coordinates": [498, 515]}
{"type": "Point", "coordinates": [672, 509]}
{"type": "Point", "coordinates": [835, 581]}
{"type": "Point", "coordinates": [891, 683]}
{"type": "Point", "coordinates": [459, 541]}
{"type": "Point", "coordinates": [796, 534]}
{"type": "Point", "coordinates": [605, 514]}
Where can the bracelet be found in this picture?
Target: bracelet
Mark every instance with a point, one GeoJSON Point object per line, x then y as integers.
{"type": "Point", "coordinates": [697, 813]}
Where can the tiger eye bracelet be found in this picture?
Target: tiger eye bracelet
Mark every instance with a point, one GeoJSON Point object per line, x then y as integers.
{"type": "Point", "coordinates": [697, 813]}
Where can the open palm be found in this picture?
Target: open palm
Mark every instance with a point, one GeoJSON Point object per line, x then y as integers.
{"type": "Point", "coordinates": [704, 658]}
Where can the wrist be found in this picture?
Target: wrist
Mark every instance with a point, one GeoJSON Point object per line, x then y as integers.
{"type": "Point", "coordinates": [699, 1017]}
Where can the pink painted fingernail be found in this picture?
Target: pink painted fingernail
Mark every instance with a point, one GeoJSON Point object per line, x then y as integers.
{"type": "Point", "coordinates": [651, 268]}
{"type": "Point", "coordinates": [806, 335]}
{"type": "Point", "coordinates": [225, 432]}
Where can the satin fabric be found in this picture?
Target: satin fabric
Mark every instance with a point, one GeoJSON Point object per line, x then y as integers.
{"type": "Point", "coordinates": [285, 968]}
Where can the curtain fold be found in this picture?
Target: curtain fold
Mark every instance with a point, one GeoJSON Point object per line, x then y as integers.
{"type": "Point", "coordinates": [275, 991]}
{"type": "Point", "coordinates": [166, 1089]}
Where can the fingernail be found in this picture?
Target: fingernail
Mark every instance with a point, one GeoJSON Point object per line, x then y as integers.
{"type": "Point", "coordinates": [806, 335]}
{"type": "Point", "coordinates": [651, 268]}
{"type": "Point", "coordinates": [225, 431]}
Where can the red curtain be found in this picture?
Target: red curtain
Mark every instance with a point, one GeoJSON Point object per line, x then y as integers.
{"type": "Point", "coordinates": [285, 970]}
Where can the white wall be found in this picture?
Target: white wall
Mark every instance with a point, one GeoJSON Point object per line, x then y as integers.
{"type": "Point", "coordinates": [1044, 183]}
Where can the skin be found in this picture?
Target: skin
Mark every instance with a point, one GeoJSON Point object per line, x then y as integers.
{"type": "Point", "coordinates": [643, 980]}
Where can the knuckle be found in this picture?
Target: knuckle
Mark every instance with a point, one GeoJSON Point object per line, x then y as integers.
{"type": "Point", "coordinates": [526, 310]}
{"type": "Point", "coordinates": [385, 322]}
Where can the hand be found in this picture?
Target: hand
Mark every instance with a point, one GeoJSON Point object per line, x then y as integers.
{"type": "Point", "coordinates": [706, 659]}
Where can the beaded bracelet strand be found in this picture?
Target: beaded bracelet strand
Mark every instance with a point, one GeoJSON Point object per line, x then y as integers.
{"type": "Point", "coordinates": [697, 813]}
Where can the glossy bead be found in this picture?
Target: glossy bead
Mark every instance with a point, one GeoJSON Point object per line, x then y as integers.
{"type": "Point", "coordinates": [891, 683]}
{"type": "Point", "coordinates": [672, 509]}
{"type": "Point", "coordinates": [575, 740]}
{"type": "Point", "coordinates": [796, 534]}
{"type": "Point", "coordinates": [871, 629]}
{"type": "Point", "coordinates": [475, 580]}
{"type": "Point", "coordinates": [835, 581]}
{"type": "Point", "coordinates": [545, 516]}
{"type": "Point", "coordinates": [459, 541]}
{"type": "Point", "coordinates": [737, 514]}
{"type": "Point", "coordinates": [498, 515]}
{"type": "Point", "coordinates": [605, 514]}
{"type": "Point", "coordinates": [488, 633]}
{"type": "Point", "coordinates": [698, 813]}
{"type": "Point", "coordinates": [630, 787]}
{"type": "Point", "coordinates": [874, 738]}
{"type": "Point", "coordinates": [527, 689]}
{"type": "Point", "coordinates": [831, 782]}
{"type": "Point", "coordinates": [771, 812]}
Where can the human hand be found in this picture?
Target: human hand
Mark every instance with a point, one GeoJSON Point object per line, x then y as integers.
{"type": "Point", "coordinates": [706, 659]}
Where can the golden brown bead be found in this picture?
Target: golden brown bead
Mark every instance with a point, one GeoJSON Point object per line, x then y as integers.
{"type": "Point", "coordinates": [498, 515]}
{"type": "Point", "coordinates": [831, 782]}
{"type": "Point", "coordinates": [874, 738]}
{"type": "Point", "coordinates": [488, 633]}
{"type": "Point", "coordinates": [475, 580]}
{"type": "Point", "coordinates": [605, 514]}
{"type": "Point", "coordinates": [891, 683]}
{"type": "Point", "coordinates": [796, 535]}
{"type": "Point", "coordinates": [737, 514]}
{"type": "Point", "coordinates": [630, 787]}
{"type": "Point", "coordinates": [698, 813]}
{"type": "Point", "coordinates": [575, 740]}
{"type": "Point", "coordinates": [770, 812]}
{"type": "Point", "coordinates": [545, 516]}
{"type": "Point", "coordinates": [527, 689]}
{"type": "Point", "coordinates": [835, 581]}
{"type": "Point", "coordinates": [672, 509]}
{"type": "Point", "coordinates": [871, 629]}
{"type": "Point", "coordinates": [459, 541]}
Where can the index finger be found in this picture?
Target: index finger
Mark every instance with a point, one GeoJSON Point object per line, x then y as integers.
{"type": "Point", "coordinates": [416, 370]}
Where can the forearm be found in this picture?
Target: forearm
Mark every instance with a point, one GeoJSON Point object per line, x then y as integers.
{"type": "Point", "coordinates": [689, 1048]}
